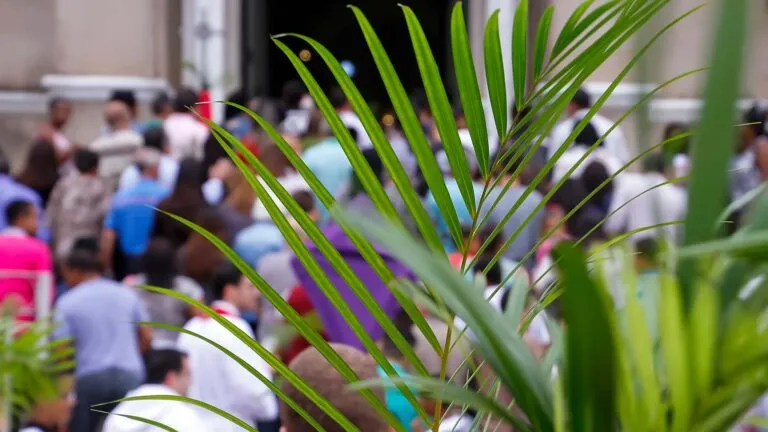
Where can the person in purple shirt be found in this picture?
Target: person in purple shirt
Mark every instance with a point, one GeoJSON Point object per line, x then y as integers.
{"type": "Point", "coordinates": [11, 190]}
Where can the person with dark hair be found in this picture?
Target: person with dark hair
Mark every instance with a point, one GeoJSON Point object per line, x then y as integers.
{"type": "Point", "coordinates": [41, 172]}
{"type": "Point", "coordinates": [25, 259]}
{"type": "Point", "coordinates": [159, 269]}
{"type": "Point", "coordinates": [168, 374]}
{"type": "Point", "coordinates": [131, 217]}
{"type": "Point", "coordinates": [11, 190]}
{"type": "Point", "coordinates": [127, 97]}
{"type": "Point", "coordinates": [747, 167]}
{"type": "Point", "coordinates": [313, 368]}
{"type": "Point", "coordinates": [186, 134]}
{"type": "Point", "coordinates": [185, 201]}
{"type": "Point", "coordinates": [350, 118]}
{"type": "Point", "coordinates": [298, 106]}
{"type": "Point", "coordinates": [614, 146]}
{"type": "Point", "coordinates": [118, 147]}
{"type": "Point", "coordinates": [100, 319]}
{"type": "Point", "coordinates": [52, 132]}
{"type": "Point", "coordinates": [216, 378]}
{"type": "Point", "coordinates": [78, 204]}
{"type": "Point", "coordinates": [154, 138]}
{"type": "Point", "coordinates": [161, 108]}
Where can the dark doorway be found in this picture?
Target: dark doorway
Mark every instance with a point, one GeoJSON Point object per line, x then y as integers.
{"type": "Point", "coordinates": [331, 23]}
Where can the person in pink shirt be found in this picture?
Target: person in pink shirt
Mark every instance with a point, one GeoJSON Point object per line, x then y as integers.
{"type": "Point", "coordinates": [23, 260]}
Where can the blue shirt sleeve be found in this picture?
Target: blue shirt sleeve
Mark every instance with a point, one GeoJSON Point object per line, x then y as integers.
{"type": "Point", "coordinates": [61, 327]}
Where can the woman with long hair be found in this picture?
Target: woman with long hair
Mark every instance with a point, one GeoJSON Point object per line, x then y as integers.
{"type": "Point", "coordinates": [198, 258]}
{"type": "Point", "coordinates": [42, 170]}
{"type": "Point", "coordinates": [186, 201]}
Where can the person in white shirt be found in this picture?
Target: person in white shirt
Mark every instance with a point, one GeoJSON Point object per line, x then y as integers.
{"type": "Point", "coordinates": [168, 168]}
{"type": "Point", "coordinates": [167, 375]}
{"type": "Point", "coordinates": [216, 378]}
{"type": "Point", "coordinates": [350, 118]}
{"type": "Point", "coordinates": [647, 203]}
{"type": "Point", "coordinates": [116, 149]}
{"type": "Point", "coordinates": [614, 145]}
{"type": "Point", "coordinates": [185, 133]}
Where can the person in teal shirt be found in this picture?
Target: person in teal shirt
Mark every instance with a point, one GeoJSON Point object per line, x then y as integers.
{"type": "Point", "coordinates": [395, 400]}
{"type": "Point", "coordinates": [330, 164]}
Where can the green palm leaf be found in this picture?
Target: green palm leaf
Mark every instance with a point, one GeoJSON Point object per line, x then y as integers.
{"type": "Point", "coordinates": [389, 158]}
{"type": "Point", "coordinates": [542, 41]}
{"type": "Point", "coordinates": [317, 273]}
{"type": "Point", "coordinates": [520, 52]}
{"type": "Point", "coordinates": [411, 127]}
{"type": "Point", "coordinates": [494, 74]}
{"type": "Point", "coordinates": [441, 109]}
{"type": "Point", "coordinates": [505, 351]}
{"type": "Point", "coordinates": [710, 158]}
{"type": "Point", "coordinates": [469, 90]}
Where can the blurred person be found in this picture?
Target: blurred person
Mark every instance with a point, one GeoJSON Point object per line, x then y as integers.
{"type": "Point", "coordinates": [131, 217]}
{"type": "Point", "coordinates": [349, 118]}
{"type": "Point", "coordinates": [52, 132]}
{"type": "Point", "coordinates": [313, 368]}
{"type": "Point", "coordinates": [462, 211]}
{"type": "Point", "coordinates": [276, 269]}
{"type": "Point", "coordinates": [52, 413]}
{"type": "Point", "coordinates": [337, 328]}
{"type": "Point", "coordinates": [154, 138]}
{"type": "Point", "coordinates": [78, 204]}
{"type": "Point", "coordinates": [216, 378]}
{"type": "Point", "coordinates": [186, 200]}
{"type": "Point", "coordinates": [315, 130]}
{"type": "Point", "coordinates": [168, 374]}
{"type": "Point", "coordinates": [216, 187]}
{"type": "Point", "coordinates": [161, 109]}
{"type": "Point", "coordinates": [117, 148]}
{"type": "Point", "coordinates": [298, 108]}
{"type": "Point", "coordinates": [159, 269]}
{"type": "Point", "coordinates": [11, 190]}
{"type": "Point", "coordinates": [23, 259]}
{"type": "Point", "coordinates": [186, 134]}
{"type": "Point", "coordinates": [597, 181]}
{"type": "Point", "coordinates": [641, 200]}
{"type": "Point", "coordinates": [747, 172]}
{"type": "Point", "coordinates": [577, 156]}
{"type": "Point", "coordinates": [329, 163]}
{"type": "Point", "coordinates": [279, 166]}
{"type": "Point", "coordinates": [198, 258]}
{"type": "Point", "coordinates": [615, 143]}
{"type": "Point", "coordinates": [528, 236]}
{"type": "Point", "coordinates": [677, 151]}
{"type": "Point", "coordinates": [394, 398]}
{"type": "Point", "coordinates": [237, 208]}
{"type": "Point", "coordinates": [127, 97]}
{"type": "Point", "coordinates": [648, 284]}
{"type": "Point", "coordinates": [99, 319]}
{"type": "Point", "coordinates": [41, 172]}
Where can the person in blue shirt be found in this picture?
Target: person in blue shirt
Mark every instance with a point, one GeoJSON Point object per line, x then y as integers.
{"type": "Point", "coordinates": [463, 213]}
{"type": "Point", "coordinates": [11, 190]}
{"type": "Point", "coordinates": [330, 164]}
{"type": "Point", "coordinates": [130, 220]}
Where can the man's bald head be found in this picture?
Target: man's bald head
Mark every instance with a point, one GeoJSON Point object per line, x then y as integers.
{"type": "Point", "coordinates": [117, 115]}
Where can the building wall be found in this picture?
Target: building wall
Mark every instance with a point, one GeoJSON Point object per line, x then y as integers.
{"type": "Point", "coordinates": [82, 50]}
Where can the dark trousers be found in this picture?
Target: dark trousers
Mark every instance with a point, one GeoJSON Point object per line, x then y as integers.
{"type": "Point", "coordinates": [96, 388]}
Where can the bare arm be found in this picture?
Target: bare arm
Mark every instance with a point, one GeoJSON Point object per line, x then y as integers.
{"type": "Point", "coordinates": [145, 339]}
{"type": "Point", "coordinates": [107, 247]}
{"type": "Point", "coordinates": [761, 153]}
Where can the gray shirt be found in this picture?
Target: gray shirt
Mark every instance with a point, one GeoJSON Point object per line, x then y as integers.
{"type": "Point", "coordinates": [100, 316]}
{"type": "Point", "coordinates": [529, 235]}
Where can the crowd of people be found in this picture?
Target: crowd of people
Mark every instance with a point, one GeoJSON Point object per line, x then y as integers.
{"type": "Point", "coordinates": [96, 219]}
